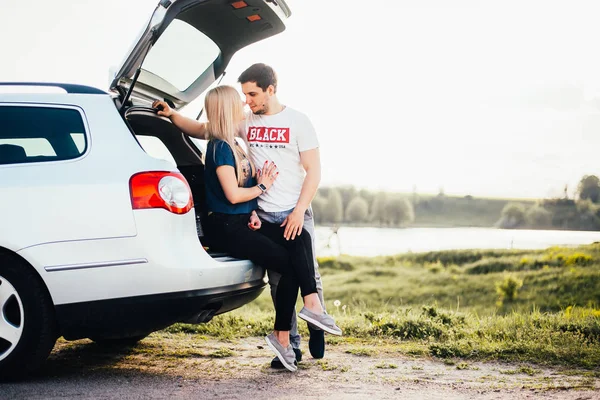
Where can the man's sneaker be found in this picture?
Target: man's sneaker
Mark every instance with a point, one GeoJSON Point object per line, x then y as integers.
{"type": "Point", "coordinates": [323, 321]}
{"type": "Point", "coordinates": [316, 342]}
{"type": "Point", "coordinates": [276, 364]}
{"type": "Point", "coordinates": [286, 355]}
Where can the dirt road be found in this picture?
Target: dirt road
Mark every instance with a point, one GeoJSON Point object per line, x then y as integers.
{"type": "Point", "coordinates": [191, 367]}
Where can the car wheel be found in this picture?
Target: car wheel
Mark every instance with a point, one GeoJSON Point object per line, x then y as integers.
{"type": "Point", "coordinates": [27, 325]}
{"type": "Point", "coordinates": [120, 342]}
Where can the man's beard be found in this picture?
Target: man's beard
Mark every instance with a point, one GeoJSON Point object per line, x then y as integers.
{"type": "Point", "coordinates": [263, 110]}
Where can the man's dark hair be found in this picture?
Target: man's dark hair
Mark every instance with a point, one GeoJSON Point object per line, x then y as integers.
{"type": "Point", "coordinates": [261, 74]}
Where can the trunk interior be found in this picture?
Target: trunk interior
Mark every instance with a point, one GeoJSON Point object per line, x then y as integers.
{"type": "Point", "coordinates": [158, 133]}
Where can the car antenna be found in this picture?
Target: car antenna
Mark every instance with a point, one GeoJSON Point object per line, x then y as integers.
{"type": "Point", "coordinates": [202, 111]}
{"type": "Point", "coordinates": [133, 81]}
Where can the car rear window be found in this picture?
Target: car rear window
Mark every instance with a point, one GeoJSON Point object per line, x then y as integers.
{"type": "Point", "coordinates": [40, 134]}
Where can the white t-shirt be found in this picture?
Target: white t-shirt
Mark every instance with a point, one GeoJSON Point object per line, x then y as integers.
{"type": "Point", "coordinates": [281, 138]}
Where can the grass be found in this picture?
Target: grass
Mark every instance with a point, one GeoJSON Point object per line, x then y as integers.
{"type": "Point", "coordinates": [454, 305]}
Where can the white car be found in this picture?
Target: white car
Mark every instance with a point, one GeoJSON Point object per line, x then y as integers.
{"type": "Point", "coordinates": [98, 239]}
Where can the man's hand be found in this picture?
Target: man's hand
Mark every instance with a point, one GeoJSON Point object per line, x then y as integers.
{"type": "Point", "coordinates": [255, 222]}
{"type": "Point", "coordinates": [293, 225]}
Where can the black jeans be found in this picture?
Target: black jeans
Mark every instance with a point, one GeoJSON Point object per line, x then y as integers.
{"type": "Point", "coordinates": [267, 247]}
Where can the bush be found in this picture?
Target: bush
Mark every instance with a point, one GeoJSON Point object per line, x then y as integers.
{"type": "Point", "coordinates": [487, 266]}
{"type": "Point", "coordinates": [508, 288]}
{"type": "Point", "coordinates": [457, 257]}
{"type": "Point", "coordinates": [579, 259]}
{"type": "Point", "coordinates": [335, 264]}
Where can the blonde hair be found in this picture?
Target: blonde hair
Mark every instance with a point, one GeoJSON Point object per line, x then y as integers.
{"type": "Point", "coordinates": [224, 111]}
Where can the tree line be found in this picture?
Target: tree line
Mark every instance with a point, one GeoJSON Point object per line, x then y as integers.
{"type": "Point", "coordinates": [346, 205]}
{"type": "Point", "coordinates": [579, 213]}
{"type": "Point", "coordinates": [337, 205]}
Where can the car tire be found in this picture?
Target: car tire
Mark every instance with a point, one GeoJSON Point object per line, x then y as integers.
{"type": "Point", "coordinates": [120, 342]}
{"type": "Point", "coordinates": [28, 328]}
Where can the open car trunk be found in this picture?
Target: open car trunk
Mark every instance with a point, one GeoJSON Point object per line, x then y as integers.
{"type": "Point", "coordinates": [187, 45]}
{"type": "Point", "coordinates": [145, 123]}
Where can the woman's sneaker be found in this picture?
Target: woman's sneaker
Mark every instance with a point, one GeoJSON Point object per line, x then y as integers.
{"type": "Point", "coordinates": [323, 321]}
{"type": "Point", "coordinates": [287, 356]}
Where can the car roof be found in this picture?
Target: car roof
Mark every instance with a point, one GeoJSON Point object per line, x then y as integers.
{"type": "Point", "coordinates": [67, 87]}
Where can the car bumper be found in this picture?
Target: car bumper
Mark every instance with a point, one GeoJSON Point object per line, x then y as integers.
{"type": "Point", "coordinates": [140, 315]}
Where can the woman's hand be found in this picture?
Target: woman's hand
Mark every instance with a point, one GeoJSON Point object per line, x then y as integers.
{"type": "Point", "coordinates": [255, 222]}
{"type": "Point", "coordinates": [267, 175]}
{"type": "Point", "coordinates": [162, 108]}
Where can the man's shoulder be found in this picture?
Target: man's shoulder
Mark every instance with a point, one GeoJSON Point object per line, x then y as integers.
{"type": "Point", "coordinates": [295, 112]}
{"type": "Point", "coordinates": [298, 117]}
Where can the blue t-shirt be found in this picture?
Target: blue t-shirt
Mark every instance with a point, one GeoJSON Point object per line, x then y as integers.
{"type": "Point", "coordinates": [219, 153]}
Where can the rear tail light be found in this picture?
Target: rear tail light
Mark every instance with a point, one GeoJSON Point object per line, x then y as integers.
{"type": "Point", "coordinates": [168, 190]}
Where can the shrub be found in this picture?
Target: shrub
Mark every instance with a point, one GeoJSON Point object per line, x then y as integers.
{"type": "Point", "coordinates": [579, 259]}
{"type": "Point", "coordinates": [492, 265]}
{"type": "Point", "coordinates": [508, 288]}
{"type": "Point", "coordinates": [335, 264]}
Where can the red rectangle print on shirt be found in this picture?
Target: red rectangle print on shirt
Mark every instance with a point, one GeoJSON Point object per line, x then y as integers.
{"type": "Point", "coordinates": [268, 135]}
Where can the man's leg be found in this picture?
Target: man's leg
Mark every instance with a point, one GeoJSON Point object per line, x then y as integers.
{"type": "Point", "coordinates": [309, 225]}
{"type": "Point", "coordinates": [316, 341]}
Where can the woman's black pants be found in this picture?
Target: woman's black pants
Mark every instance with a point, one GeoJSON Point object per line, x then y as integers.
{"type": "Point", "coordinates": [267, 247]}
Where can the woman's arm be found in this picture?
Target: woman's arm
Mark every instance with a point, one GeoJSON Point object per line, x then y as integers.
{"type": "Point", "coordinates": [236, 194]}
{"type": "Point", "coordinates": [187, 125]}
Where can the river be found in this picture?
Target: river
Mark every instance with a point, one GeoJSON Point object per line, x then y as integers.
{"type": "Point", "coordinates": [388, 241]}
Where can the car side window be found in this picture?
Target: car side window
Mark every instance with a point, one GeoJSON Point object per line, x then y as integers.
{"type": "Point", "coordinates": [40, 134]}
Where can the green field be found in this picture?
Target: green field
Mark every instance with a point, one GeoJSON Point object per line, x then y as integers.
{"type": "Point", "coordinates": [530, 306]}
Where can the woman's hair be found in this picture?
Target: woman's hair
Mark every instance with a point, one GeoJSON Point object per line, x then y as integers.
{"type": "Point", "coordinates": [224, 111]}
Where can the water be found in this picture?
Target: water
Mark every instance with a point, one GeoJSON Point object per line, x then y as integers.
{"type": "Point", "coordinates": [379, 241]}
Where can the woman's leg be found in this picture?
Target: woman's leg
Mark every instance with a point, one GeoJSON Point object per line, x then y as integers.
{"type": "Point", "coordinates": [241, 242]}
{"type": "Point", "coordinates": [300, 249]}
{"type": "Point", "coordinates": [302, 261]}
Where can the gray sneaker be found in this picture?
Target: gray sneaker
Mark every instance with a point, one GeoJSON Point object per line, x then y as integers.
{"type": "Point", "coordinates": [287, 356]}
{"type": "Point", "coordinates": [323, 321]}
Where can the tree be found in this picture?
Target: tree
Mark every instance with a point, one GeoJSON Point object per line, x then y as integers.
{"type": "Point", "coordinates": [513, 216]}
{"type": "Point", "coordinates": [318, 206]}
{"type": "Point", "coordinates": [589, 188]}
{"type": "Point", "coordinates": [368, 196]}
{"type": "Point", "coordinates": [378, 208]}
{"type": "Point", "coordinates": [399, 211]}
{"type": "Point", "coordinates": [588, 215]}
{"type": "Point", "coordinates": [357, 210]}
{"type": "Point", "coordinates": [347, 193]}
{"type": "Point", "coordinates": [538, 217]}
{"type": "Point", "coordinates": [334, 210]}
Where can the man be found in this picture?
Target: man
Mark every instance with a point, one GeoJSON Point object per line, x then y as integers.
{"type": "Point", "coordinates": [277, 133]}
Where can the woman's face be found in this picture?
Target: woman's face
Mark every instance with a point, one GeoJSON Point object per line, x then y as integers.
{"type": "Point", "coordinates": [238, 108]}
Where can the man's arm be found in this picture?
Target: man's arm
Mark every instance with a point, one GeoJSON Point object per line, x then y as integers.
{"type": "Point", "coordinates": [187, 125]}
{"type": "Point", "coordinates": [311, 161]}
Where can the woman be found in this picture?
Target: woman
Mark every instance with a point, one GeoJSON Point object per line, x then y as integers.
{"type": "Point", "coordinates": [232, 186]}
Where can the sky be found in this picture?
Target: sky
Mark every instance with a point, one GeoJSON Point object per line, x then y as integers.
{"type": "Point", "coordinates": [486, 98]}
